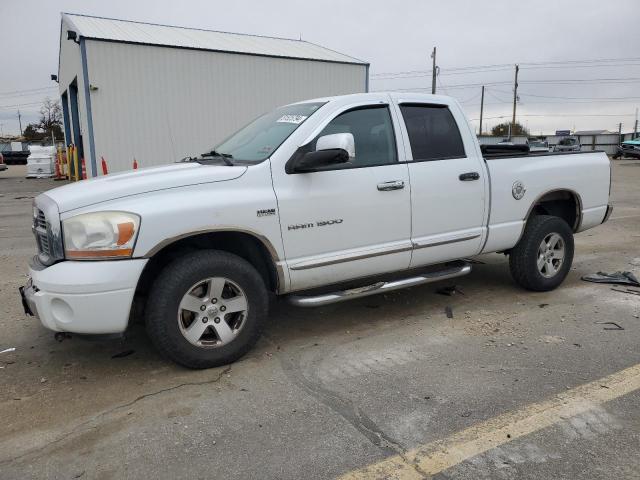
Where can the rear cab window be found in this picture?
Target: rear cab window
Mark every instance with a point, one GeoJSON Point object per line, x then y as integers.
{"type": "Point", "coordinates": [433, 132]}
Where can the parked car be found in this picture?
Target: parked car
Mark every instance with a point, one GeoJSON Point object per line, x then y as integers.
{"type": "Point", "coordinates": [3, 166]}
{"type": "Point", "coordinates": [538, 146]}
{"type": "Point", "coordinates": [630, 148]}
{"type": "Point", "coordinates": [318, 202]}
{"type": "Point", "coordinates": [568, 144]}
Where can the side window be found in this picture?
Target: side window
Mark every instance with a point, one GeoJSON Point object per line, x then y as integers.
{"type": "Point", "coordinates": [433, 132]}
{"type": "Point", "coordinates": [372, 132]}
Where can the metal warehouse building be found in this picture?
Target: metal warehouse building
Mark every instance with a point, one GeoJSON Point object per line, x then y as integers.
{"type": "Point", "coordinates": [158, 93]}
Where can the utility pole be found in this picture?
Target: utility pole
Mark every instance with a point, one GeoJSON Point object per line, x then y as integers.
{"type": "Point", "coordinates": [635, 128]}
{"type": "Point", "coordinates": [619, 133]}
{"type": "Point", "coordinates": [433, 72]}
{"type": "Point", "coordinates": [481, 108]}
{"type": "Point", "coordinates": [20, 122]}
{"type": "Point", "coordinates": [515, 99]}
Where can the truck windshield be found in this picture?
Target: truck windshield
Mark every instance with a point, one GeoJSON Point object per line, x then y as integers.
{"type": "Point", "coordinates": [258, 140]}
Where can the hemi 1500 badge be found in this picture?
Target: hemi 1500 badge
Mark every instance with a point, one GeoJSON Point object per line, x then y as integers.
{"type": "Point", "coordinates": [266, 212]}
{"type": "Point", "coordinates": [320, 223]}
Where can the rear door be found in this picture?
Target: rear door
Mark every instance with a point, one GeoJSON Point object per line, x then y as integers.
{"type": "Point", "coordinates": [449, 186]}
{"type": "Point", "coordinates": [351, 220]}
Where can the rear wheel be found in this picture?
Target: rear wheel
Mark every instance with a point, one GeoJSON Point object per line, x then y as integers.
{"type": "Point", "coordinates": [206, 309]}
{"type": "Point", "coordinates": [542, 258]}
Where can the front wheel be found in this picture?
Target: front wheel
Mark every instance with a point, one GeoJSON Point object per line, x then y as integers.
{"type": "Point", "coordinates": [206, 309]}
{"type": "Point", "coordinates": [542, 258]}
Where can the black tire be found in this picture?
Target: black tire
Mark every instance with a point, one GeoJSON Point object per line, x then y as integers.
{"type": "Point", "coordinates": [523, 258]}
{"type": "Point", "coordinates": [175, 281]}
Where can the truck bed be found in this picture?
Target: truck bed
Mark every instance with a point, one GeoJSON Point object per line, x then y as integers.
{"type": "Point", "coordinates": [586, 175]}
{"type": "Point", "coordinates": [492, 152]}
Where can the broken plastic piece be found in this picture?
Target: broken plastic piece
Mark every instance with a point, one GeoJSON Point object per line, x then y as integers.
{"type": "Point", "coordinates": [448, 311]}
{"type": "Point", "coordinates": [7, 350]}
{"type": "Point", "coordinates": [126, 353]}
{"type": "Point", "coordinates": [619, 278]}
{"type": "Point", "coordinates": [614, 327]}
{"type": "Point", "coordinates": [448, 291]}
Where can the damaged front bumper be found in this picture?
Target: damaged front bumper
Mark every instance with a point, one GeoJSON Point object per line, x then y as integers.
{"type": "Point", "coordinates": [83, 297]}
{"type": "Point", "coordinates": [26, 295]}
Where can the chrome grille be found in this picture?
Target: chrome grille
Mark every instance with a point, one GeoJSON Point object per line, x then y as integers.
{"type": "Point", "coordinates": [39, 220]}
{"type": "Point", "coordinates": [47, 234]}
{"type": "Point", "coordinates": [41, 232]}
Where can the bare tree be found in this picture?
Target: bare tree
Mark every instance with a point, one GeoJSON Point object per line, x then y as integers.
{"type": "Point", "coordinates": [50, 115]}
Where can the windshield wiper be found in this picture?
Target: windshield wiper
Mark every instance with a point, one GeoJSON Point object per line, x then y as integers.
{"type": "Point", "coordinates": [226, 157]}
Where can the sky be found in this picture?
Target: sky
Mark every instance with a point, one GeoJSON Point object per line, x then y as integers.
{"type": "Point", "coordinates": [580, 59]}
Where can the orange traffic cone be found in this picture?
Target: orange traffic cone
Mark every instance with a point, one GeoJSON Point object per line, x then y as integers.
{"type": "Point", "coordinates": [84, 170]}
{"type": "Point", "coordinates": [135, 163]}
{"type": "Point", "coordinates": [104, 166]}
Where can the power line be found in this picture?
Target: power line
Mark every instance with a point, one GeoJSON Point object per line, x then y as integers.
{"type": "Point", "coordinates": [26, 91]}
{"type": "Point", "coordinates": [568, 98]}
{"type": "Point", "coordinates": [585, 80]}
{"type": "Point", "coordinates": [9, 107]}
{"type": "Point", "coordinates": [562, 115]}
{"type": "Point", "coordinates": [447, 72]}
{"type": "Point", "coordinates": [505, 66]}
{"type": "Point", "coordinates": [528, 82]}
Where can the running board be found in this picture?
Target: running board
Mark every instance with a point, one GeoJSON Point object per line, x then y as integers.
{"type": "Point", "coordinates": [379, 287]}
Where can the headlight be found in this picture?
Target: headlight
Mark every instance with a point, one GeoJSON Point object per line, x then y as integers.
{"type": "Point", "coordinates": [100, 235]}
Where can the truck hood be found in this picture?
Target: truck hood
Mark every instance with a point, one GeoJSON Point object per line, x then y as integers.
{"type": "Point", "coordinates": [111, 187]}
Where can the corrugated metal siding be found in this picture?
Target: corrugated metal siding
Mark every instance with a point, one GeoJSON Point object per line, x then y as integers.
{"type": "Point", "coordinates": [158, 104]}
{"type": "Point", "coordinates": [127, 31]}
{"type": "Point", "coordinates": [606, 142]}
{"type": "Point", "coordinates": [70, 68]}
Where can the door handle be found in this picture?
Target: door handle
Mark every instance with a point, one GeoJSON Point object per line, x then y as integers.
{"type": "Point", "coordinates": [392, 185]}
{"type": "Point", "coordinates": [469, 176]}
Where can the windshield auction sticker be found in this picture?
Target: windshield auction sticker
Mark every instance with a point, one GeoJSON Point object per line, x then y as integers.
{"type": "Point", "coordinates": [292, 119]}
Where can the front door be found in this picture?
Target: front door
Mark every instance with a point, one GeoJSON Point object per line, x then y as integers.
{"type": "Point", "coordinates": [351, 220]}
{"type": "Point", "coordinates": [448, 185]}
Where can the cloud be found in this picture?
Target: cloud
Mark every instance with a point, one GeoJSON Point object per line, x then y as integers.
{"type": "Point", "coordinates": [392, 36]}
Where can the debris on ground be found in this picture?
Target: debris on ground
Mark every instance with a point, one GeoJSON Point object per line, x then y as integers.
{"type": "Point", "coordinates": [635, 262]}
{"type": "Point", "coordinates": [552, 339]}
{"type": "Point", "coordinates": [542, 305]}
{"type": "Point", "coordinates": [448, 311]}
{"type": "Point", "coordinates": [7, 350]}
{"type": "Point", "coordinates": [126, 353]}
{"type": "Point", "coordinates": [617, 278]}
{"type": "Point", "coordinates": [614, 326]}
{"type": "Point", "coordinates": [449, 291]}
{"type": "Point", "coordinates": [628, 290]}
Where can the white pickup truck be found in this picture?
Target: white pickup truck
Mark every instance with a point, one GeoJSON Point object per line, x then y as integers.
{"type": "Point", "coordinates": [319, 201]}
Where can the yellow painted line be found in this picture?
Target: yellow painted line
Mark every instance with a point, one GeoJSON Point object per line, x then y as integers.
{"type": "Point", "coordinates": [440, 455]}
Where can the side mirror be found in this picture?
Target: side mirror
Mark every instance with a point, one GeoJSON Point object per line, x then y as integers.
{"type": "Point", "coordinates": [330, 150]}
{"type": "Point", "coordinates": [343, 141]}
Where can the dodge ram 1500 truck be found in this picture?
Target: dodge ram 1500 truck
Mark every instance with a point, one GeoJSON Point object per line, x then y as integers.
{"type": "Point", "coordinates": [319, 201]}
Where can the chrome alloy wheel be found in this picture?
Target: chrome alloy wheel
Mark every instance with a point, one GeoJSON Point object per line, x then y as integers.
{"type": "Point", "coordinates": [551, 255]}
{"type": "Point", "coordinates": [212, 312]}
